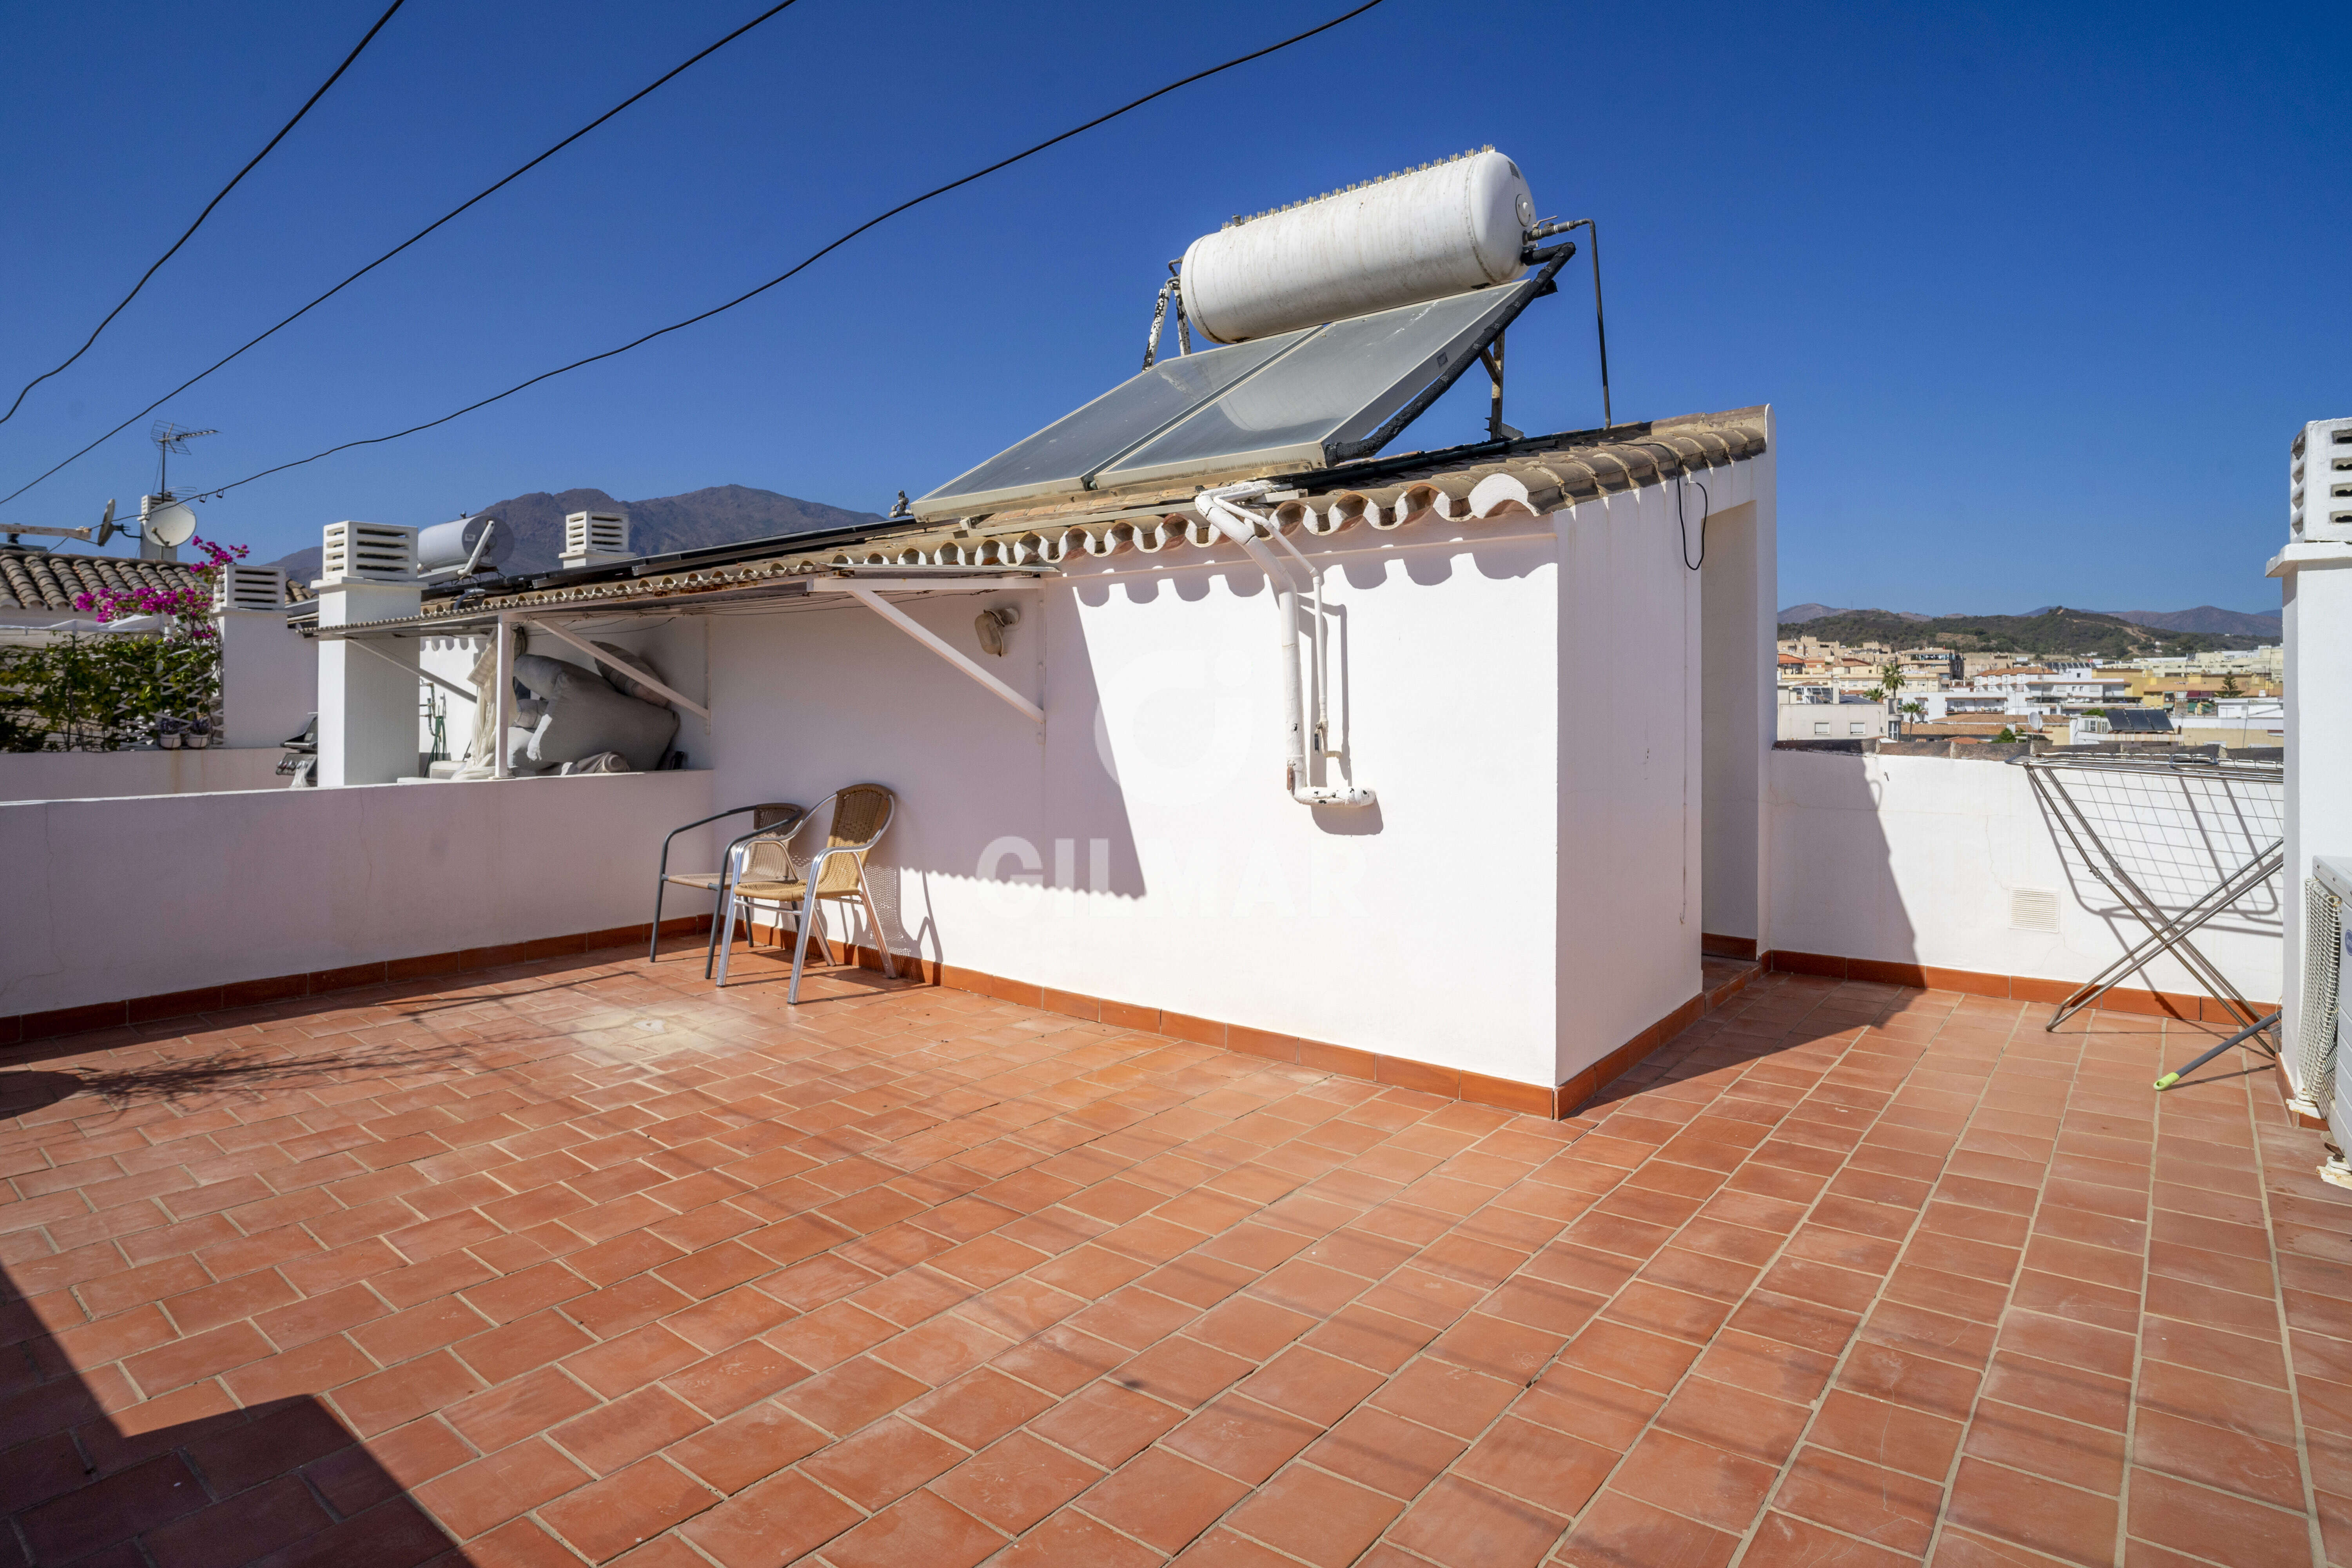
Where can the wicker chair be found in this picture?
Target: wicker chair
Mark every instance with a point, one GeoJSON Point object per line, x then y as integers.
{"type": "Point", "coordinates": [763, 870]}
{"type": "Point", "coordinates": [766, 818]}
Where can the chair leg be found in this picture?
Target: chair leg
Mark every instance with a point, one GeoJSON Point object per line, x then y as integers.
{"type": "Point", "coordinates": [874, 924]}
{"type": "Point", "coordinates": [653, 942]}
{"type": "Point", "coordinates": [823, 936]}
{"type": "Point", "coordinates": [710, 948]}
{"type": "Point", "coordinates": [727, 943]}
{"type": "Point", "coordinates": [809, 916]}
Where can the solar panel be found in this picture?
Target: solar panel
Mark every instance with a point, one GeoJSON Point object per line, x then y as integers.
{"type": "Point", "coordinates": [1324, 396]}
{"type": "Point", "coordinates": [1064, 454]}
{"type": "Point", "coordinates": [1304, 400]}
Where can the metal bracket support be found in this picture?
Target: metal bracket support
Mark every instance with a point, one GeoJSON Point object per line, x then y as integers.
{"type": "Point", "coordinates": [867, 591]}
{"type": "Point", "coordinates": [628, 670]}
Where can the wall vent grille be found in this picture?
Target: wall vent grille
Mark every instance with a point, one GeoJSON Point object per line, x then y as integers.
{"type": "Point", "coordinates": [2033, 908]}
{"type": "Point", "coordinates": [2314, 1024]}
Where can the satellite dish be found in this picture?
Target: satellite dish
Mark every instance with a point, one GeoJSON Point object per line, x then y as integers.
{"type": "Point", "coordinates": [171, 525]}
{"type": "Point", "coordinates": [106, 523]}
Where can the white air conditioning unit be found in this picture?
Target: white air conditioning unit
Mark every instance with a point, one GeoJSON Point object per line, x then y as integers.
{"type": "Point", "coordinates": [2319, 483]}
{"type": "Point", "coordinates": [595, 537]}
{"type": "Point", "coordinates": [250, 588]}
{"type": "Point", "coordinates": [368, 552]}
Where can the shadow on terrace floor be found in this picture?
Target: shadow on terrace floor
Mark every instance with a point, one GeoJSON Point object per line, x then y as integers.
{"type": "Point", "coordinates": [597, 1263]}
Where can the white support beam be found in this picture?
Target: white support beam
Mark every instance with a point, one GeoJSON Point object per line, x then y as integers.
{"type": "Point", "coordinates": [501, 766]}
{"type": "Point", "coordinates": [866, 591]}
{"type": "Point", "coordinates": [629, 671]}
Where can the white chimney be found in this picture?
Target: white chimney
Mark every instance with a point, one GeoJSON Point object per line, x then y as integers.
{"type": "Point", "coordinates": [250, 588]}
{"type": "Point", "coordinates": [595, 537]}
{"type": "Point", "coordinates": [368, 552]}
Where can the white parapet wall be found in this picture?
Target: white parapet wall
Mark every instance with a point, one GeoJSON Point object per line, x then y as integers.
{"type": "Point", "coordinates": [87, 775]}
{"type": "Point", "coordinates": [1950, 864]}
{"type": "Point", "coordinates": [114, 900]}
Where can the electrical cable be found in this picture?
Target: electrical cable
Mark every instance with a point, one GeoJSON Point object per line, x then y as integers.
{"type": "Point", "coordinates": [216, 201]}
{"type": "Point", "coordinates": [477, 196]}
{"type": "Point", "coordinates": [1683, 477]}
{"type": "Point", "coordinates": [813, 257]}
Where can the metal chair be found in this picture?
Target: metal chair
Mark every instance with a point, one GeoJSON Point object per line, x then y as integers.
{"type": "Point", "coordinates": [765, 817]}
{"type": "Point", "coordinates": [761, 870]}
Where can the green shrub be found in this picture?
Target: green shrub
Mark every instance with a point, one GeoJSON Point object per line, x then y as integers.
{"type": "Point", "coordinates": [105, 693]}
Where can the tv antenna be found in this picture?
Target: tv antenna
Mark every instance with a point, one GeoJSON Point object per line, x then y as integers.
{"type": "Point", "coordinates": [170, 438]}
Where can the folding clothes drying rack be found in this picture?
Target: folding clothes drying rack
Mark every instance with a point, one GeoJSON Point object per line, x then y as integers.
{"type": "Point", "coordinates": [2167, 824]}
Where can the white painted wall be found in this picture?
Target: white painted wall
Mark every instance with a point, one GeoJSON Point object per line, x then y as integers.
{"type": "Point", "coordinates": [1911, 861]}
{"type": "Point", "coordinates": [1734, 714]}
{"type": "Point", "coordinates": [86, 775]}
{"type": "Point", "coordinates": [367, 694]}
{"type": "Point", "coordinates": [116, 898]}
{"type": "Point", "coordinates": [2317, 605]}
{"type": "Point", "coordinates": [269, 677]}
{"type": "Point", "coordinates": [1522, 900]}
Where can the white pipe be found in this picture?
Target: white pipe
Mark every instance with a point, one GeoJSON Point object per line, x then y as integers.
{"type": "Point", "coordinates": [1241, 527]}
{"type": "Point", "coordinates": [499, 767]}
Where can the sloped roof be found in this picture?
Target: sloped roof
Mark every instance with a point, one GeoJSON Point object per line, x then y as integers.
{"type": "Point", "coordinates": [1489, 483]}
{"type": "Point", "coordinates": [43, 579]}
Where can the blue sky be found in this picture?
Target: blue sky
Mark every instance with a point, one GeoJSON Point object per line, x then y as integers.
{"type": "Point", "coordinates": [2040, 293]}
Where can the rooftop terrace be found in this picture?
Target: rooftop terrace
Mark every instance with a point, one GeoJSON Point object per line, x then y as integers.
{"type": "Point", "coordinates": [584, 1261]}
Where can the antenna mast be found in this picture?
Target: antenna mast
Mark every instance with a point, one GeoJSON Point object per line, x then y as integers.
{"type": "Point", "coordinates": [170, 438]}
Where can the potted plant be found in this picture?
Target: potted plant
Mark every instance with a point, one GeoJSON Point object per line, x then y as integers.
{"type": "Point", "coordinates": [200, 732]}
{"type": "Point", "coordinates": [170, 731]}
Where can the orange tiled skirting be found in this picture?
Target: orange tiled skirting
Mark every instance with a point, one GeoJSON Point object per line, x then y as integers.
{"type": "Point", "coordinates": [2013, 988]}
{"type": "Point", "coordinates": [1530, 1099]}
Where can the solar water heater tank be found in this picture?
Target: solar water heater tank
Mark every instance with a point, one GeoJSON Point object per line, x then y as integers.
{"type": "Point", "coordinates": [1421, 234]}
{"type": "Point", "coordinates": [448, 546]}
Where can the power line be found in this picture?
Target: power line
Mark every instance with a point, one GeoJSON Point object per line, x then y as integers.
{"type": "Point", "coordinates": [216, 201]}
{"type": "Point", "coordinates": [813, 257]}
{"type": "Point", "coordinates": [479, 196]}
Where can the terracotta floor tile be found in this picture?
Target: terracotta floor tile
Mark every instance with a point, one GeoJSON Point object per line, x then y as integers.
{"type": "Point", "coordinates": [1619, 1531]}
{"type": "Point", "coordinates": [908, 1226]}
{"type": "Point", "coordinates": [1717, 1488]}
{"type": "Point", "coordinates": [1016, 1482]}
{"type": "Point", "coordinates": [1557, 1474]}
{"type": "Point", "coordinates": [1074, 1540]}
{"type": "Point", "coordinates": [1162, 1499]}
{"type": "Point", "coordinates": [509, 1483]}
{"type": "Point", "coordinates": [1318, 1518]}
{"type": "Point", "coordinates": [921, 1529]}
{"type": "Point", "coordinates": [775, 1522]}
{"type": "Point", "coordinates": [2011, 1505]}
{"type": "Point", "coordinates": [978, 1409]}
{"type": "Point", "coordinates": [1106, 1423]}
{"type": "Point", "coordinates": [615, 1436]}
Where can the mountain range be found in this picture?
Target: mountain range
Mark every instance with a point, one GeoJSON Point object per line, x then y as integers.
{"type": "Point", "coordinates": [2047, 633]}
{"type": "Point", "coordinates": [721, 515]}
{"type": "Point", "coordinates": [2209, 619]}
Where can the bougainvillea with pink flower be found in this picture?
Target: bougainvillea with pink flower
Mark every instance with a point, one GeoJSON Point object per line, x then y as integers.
{"type": "Point", "coordinates": [190, 605]}
{"type": "Point", "coordinates": [104, 691]}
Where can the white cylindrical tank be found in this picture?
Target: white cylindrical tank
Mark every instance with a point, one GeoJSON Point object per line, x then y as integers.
{"type": "Point", "coordinates": [1421, 234]}
{"type": "Point", "coordinates": [452, 544]}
